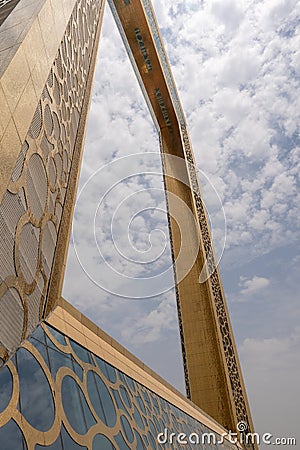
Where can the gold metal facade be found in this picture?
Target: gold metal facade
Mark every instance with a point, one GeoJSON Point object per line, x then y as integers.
{"type": "Point", "coordinates": [45, 86]}
{"type": "Point", "coordinates": [32, 205]}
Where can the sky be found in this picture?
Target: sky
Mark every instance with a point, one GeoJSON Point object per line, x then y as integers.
{"type": "Point", "coordinates": [237, 69]}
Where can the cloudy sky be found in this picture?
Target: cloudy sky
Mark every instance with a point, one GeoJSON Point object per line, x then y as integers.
{"type": "Point", "coordinates": [237, 69]}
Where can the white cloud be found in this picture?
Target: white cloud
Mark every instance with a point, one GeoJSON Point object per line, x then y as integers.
{"type": "Point", "coordinates": [252, 286]}
{"type": "Point", "coordinates": [272, 371]}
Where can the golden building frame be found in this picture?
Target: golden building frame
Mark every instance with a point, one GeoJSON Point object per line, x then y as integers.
{"type": "Point", "coordinates": [46, 77]}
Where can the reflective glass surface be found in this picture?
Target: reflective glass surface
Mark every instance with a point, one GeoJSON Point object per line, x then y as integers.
{"type": "Point", "coordinates": [120, 441]}
{"type": "Point", "coordinates": [36, 401]}
{"type": "Point", "coordinates": [68, 442]}
{"type": "Point", "coordinates": [101, 442]}
{"type": "Point", "coordinates": [127, 429]}
{"type": "Point", "coordinates": [11, 437]}
{"type": "Point", "coordinates": [72, 404]}
{"type": "Point", "coordinates": [90, 395]}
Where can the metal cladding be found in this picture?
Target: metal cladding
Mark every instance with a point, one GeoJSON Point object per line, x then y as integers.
{"type": "Point", "coordinates": [46, 73]}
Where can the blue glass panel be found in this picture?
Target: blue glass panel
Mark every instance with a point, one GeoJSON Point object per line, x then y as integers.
{"type": "Point", "coordinates": [156, 405]}
{"type": "Point", "coordinates": [141, 404]}
{"type": "Point", "coordinates": [39, 334]}
{"type": "Point", "coordinates": [77, 369]}
{"type": "Point", "coordinates": [147, 398]}
{"type": "Point", "coordinates": [36, 399]}
{"type": "Point", "coordinates": [145, 440]}
{"type": "Point", "coordinates": [121, 444]}
{"type": "Point", "coordinates": [11, 437]}
{"type": "Point", "coordinates": [52, 345]}
{"type": "Point", "coordinates": [101, 442]}
{"type": "Point", "coordinates": [119, 402]}
{"type": "Point", "coordinates": [68, 442]}
{"type": "Point", "coordinates": [156, 424]}
{"type": "Point", "coordinates": [81, 352]}
{"type": "Point", "coordinates": [89, 418]}
{"type": "Point", "coordinates": [152, 441]}
{"type": "Point", "coordinates": [152, 428]}
{"type": "Point", "coordinates": [138, 418]}
{"type": "Point", "coordinates": [108, 371]}
{"type": "Point", "coordinates": [166, 418]}
{"type": "Point", "coordinates": [162, 424]}
{"type": "Point", "coordinates": [94, 396]}
{"type": "Point", "coordinates": [112, 376]}
{"type": "Point", "coordinates": [58, 360]}
{"type": "Point", "coordinates": [41, 349]}
{"type": "Point", "coordinates": [107, 402]}
{"type": "Point", "coordinates": [139, 444]}
{"type": "Point", "coordinates": [127, 429]}
{"type": "Point", "coordinates": [6, 386]}
{"type": "Point", "coordinates": [102, 365]}
{"type": "Point", "coordinates": [131, 383]}
{"type": "Point", "coordinates": [57, 335]}
{"type": "Point", "coordinates": [72, 405]}
{"type": "Point", "coordinates": [125, 396]}
{"type": "Point", "coordinates": [57, 445]}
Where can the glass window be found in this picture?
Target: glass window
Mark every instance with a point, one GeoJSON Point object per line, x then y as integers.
{"type": "Point", "coordinates": [119, 402]}
{"type": "Point", "coordinates": [151, 440]}
{"type": "Point", "coordinates": [52, 344]}
{"type": "Point", "coordinates": [58, 360]}
{"type": "Point", "coordinates": [101, 442]}
{"type": "Point", "coordinates": [94, 396]}
{"type": "Point", "coordinates": [112, 376]}
{"type": "Point", "coordinates": [125, 396]}
{"type": "Point", "coordinates": [81, 352]}
{"type": "Point", "coordinates": [146, 398]}
{"type": "Point", "coordinates": [141, 404]}
{"type": "Point", "coordinates": [108, 371]}
{"type": "Point", "coordinates": [108, 406]}
{"type": "Point", "coordinates": [11, 437]}
{"type": "Point", "coordinates": [155, 404]}
{"type": "Point", "coordinates": [166, 418]}
{"type": "Point", "coordinates": [36, 399]}
{"type": "Point", "coordinates": [131, 383]}
{"type": "Point", "coordinates": [156, 424]}
{"type": "Point", "coordinates": [6, 386]}
{"type": "Point", "coordinates": [152, 428]}
{"type": "Point", "coordinates": [39, 334]}
{"type": "Point", "coordinates": [74, 404]}
{"type": "Point", "coordinates": [138, 418]}
{"type": "Point", "coordinates": [120, 441]}
{"type": "Point", "coordinates": [127, 429]}
{"type": "Point", "coordinates": [68, 442]}
{"type": "Point", "coordinates": [57, 335]}
{"type": "Point", "coordinates": [139, 442]}
{"type": "Point", "coordinates": [77, 368]}
{"type": "Point", "coordinates": [42, 349]}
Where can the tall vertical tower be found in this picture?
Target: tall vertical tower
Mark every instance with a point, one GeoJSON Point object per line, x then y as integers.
{"type": "Point", "coordinates": [48, 52]}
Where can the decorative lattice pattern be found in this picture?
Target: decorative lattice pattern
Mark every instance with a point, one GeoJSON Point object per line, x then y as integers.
{"type": "Point", "coordinates": [31, 209]}
{"type": "Point", "coordinates": [219, 301]}
{"type": "Point", "coordinates": [84, 403]}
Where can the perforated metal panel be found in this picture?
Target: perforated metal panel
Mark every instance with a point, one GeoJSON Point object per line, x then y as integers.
{"type": "Point", "coordinates": [31, 210]}
{"type": "Point", "coordinates": [11, 319]}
